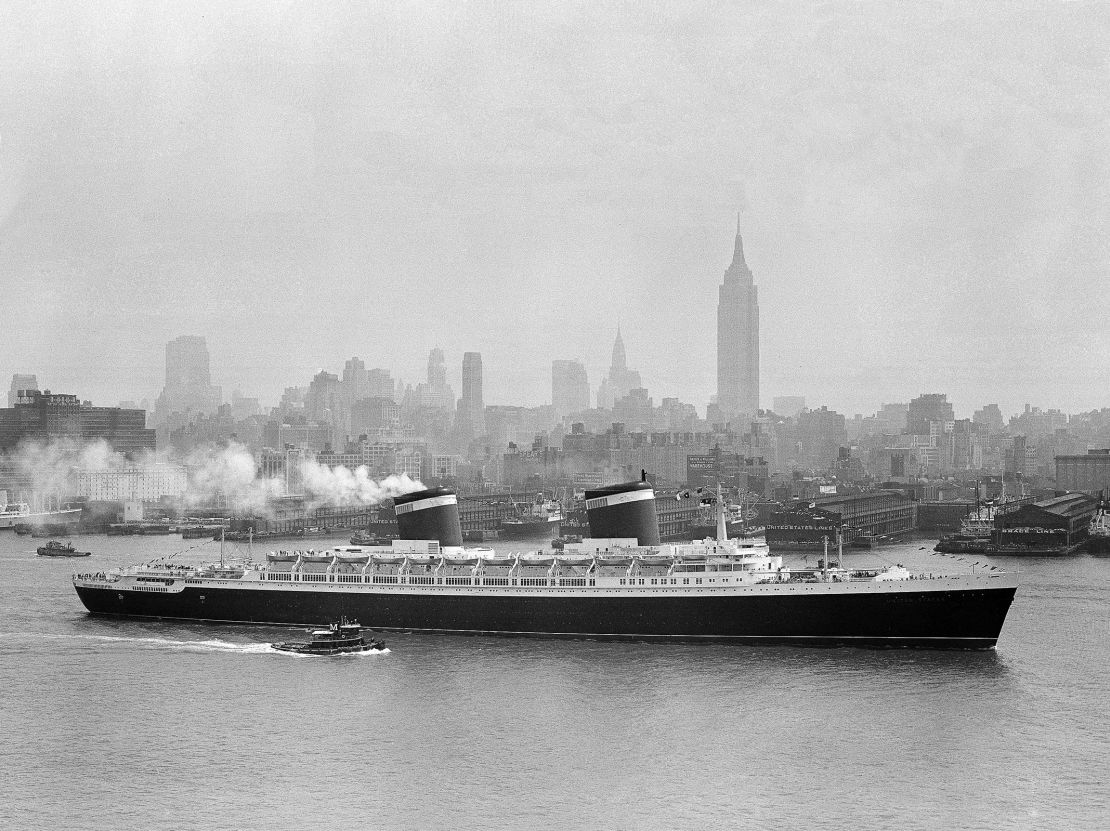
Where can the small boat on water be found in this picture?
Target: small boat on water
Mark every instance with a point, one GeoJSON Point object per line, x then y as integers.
{"type": "Point", "coordinates": [367, 538]}
{"type": "Point", "coordinates": [196, 532]}
{"type": "Point", "coordinates": [338, 639]}
{"type": "Point", "coordinates": [870, 540]}
{"type": "Point", "coordinates": [61, 549]}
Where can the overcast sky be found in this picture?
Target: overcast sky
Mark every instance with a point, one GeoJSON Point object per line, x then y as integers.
{"type": "Point", "coordinates": [925, 193]}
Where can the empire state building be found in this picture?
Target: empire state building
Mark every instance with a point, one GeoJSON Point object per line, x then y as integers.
{"type": "Point", "coordinates": [738, 337]}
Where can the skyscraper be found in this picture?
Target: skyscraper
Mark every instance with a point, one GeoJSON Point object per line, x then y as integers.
{"type": "Point", "coordinates": [434, 394]}
{"type": "Point", "coordinates": [189, 386]}
{"type": "Point", "coordinates": [570, 388]}
{"type": "Point", "coordinates": [928, 407]}
{"type": "Point", "coordinates": [356, 380]}
{"type": "Point", "coordinates": [437, 370]}
{"type": "Point", "coordinates": [470, 422]}
{"type": "Point", "coordinates": [738, 337]}
{"type": "Point", "coordinates": [621, 380]}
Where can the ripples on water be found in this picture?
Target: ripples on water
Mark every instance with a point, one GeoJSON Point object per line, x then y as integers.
{"type": "Point", "coordinates": [148, 725]}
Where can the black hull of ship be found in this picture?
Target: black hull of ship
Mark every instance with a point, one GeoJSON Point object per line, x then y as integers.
{"type": "Point", "coordinates": [966, 545]}
{"type": "Point", "coordinates": [1099, 545]}
{"type": "Point", "coordinates": [985, 546]}
{"type": "Point", "coordinates": [944, 619]}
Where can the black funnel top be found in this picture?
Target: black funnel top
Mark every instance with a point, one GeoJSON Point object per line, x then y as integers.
{"type": "Point", "coordinates": [624, 510]}
{"type": "Point", "coordinates": [431, 514]}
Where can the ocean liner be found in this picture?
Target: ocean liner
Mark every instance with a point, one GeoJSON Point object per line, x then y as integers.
{"type": "Point", "coordinates": [619, 584]}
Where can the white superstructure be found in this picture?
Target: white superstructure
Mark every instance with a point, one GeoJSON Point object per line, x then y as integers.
{"type": "Point", "coordinates": [14, 512]}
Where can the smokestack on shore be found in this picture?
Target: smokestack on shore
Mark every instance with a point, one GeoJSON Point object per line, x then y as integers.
{"type": "Point", "coordinates": [431, 514]}
{"type": "Point", "coordinates": [625, 510]}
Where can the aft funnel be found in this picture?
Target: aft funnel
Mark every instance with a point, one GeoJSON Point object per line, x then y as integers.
{"type": "Point", "coordinates": [431, 514]}
{"type": "Point", "coordinates": [625, 510]}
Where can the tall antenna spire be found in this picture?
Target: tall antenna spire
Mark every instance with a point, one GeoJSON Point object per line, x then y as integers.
{"type": "Point", "coordinates": [738, 251]}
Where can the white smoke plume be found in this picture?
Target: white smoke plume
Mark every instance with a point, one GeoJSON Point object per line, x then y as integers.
{"type": "Point", "coordinates": [49, 466]}
{"type": "Point", "coordinates": [226, 476]}
{"type": "Point", "coordinates": [229, 475]}
{"type": "Point", "coordinates": [340, 487]}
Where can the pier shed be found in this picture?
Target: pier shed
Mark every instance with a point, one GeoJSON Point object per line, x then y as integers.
{"type": "Point", "coordinates": [880, 513]}
{"type": "Point", "coordinates": [1066, 517]}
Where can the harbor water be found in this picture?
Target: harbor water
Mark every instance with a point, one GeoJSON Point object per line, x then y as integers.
{"type": "Point", "coordinates": [124, 724]}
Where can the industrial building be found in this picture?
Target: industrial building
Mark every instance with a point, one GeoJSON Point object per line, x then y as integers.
{"type": "Point", "coordinates": [47, 417]}
{"type": "Point", "coordinates": [1063, 520]}
{"type": "Point", "coordinates": [1088, 474]}
{"type": "Point", "coordinates": [873, 512]}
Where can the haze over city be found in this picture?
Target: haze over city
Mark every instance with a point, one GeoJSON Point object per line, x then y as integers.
{"type": "Point", "coordinates": [487, 414]}
{"type": "Point", "coordinates": [923, 194]}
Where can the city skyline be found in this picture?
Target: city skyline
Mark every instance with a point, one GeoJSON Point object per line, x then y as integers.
{"type": "Point", "coordinates": [932, 208]}
{"type": "Point", "coordinates": [904, 382]}
{"type": "Point", "coordinates": [436, 364]}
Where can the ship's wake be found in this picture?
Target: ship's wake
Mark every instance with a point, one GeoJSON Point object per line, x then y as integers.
{"type": "Point", "coordinates": [213, 645]}
{"type": "Point", "coordinates": [210, 645]}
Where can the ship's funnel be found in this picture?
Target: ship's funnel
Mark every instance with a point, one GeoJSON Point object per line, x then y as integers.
{"type": "Point", "coordinates": [431, 514]}
{"type": "Point", "coordinates": [626, 510]}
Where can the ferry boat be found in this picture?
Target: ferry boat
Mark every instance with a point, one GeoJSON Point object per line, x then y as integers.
{"type": "Point", "coordinates": [621, 583]}
{"type": "Point", "coordinates": [342, 638]}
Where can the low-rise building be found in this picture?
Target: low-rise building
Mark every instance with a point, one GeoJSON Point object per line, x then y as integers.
{"type": "Point", "coordinates": [871, 512]}
{"type": "Point", "coordinates": [147, 483]}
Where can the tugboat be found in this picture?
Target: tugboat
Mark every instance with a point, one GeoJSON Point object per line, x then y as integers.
{"type": "Point", "coordinates": [61, 549]}
{"type": "Point", "coordinates": [338, 639]}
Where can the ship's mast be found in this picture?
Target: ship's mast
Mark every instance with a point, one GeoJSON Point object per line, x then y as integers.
{"type": "Point", "coordinates": [722, 529]}
{"type": "Point", "coordinates": [223, 530]}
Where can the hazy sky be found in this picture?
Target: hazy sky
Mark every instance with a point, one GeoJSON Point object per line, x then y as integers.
{"type": "Point", "coordinates": [925, 192]}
